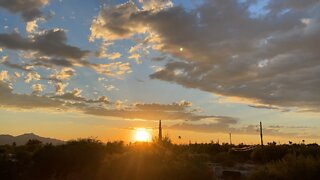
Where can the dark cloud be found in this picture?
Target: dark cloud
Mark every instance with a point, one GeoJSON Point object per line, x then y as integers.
{"type": "Point", "coordinates": [269, 107]}
{"type": "Point", "coordinates": [270, 59]}
{"type": "Point", "coordinates": [280, 5]}
{"type": "Point", "coordinates": [23, 67]}
{"type": "Point", "coordinates": [74, 96]}
{"type": "Point", "coordinates": [49, 50]}
{"type": "Point", "coordinates": [272, 62]}
{"type": "Point", "coordinates": [49, 62]}
{"type": "Point", "coordinates": [24, 101]}
{"type": "Point", "coordinates": [28, 9]}
{"type": "Point", "coordinates": [159, 58]}
{"type": "Point", "coordinates": [50, 43]}
{"type": "Point", "coordinates": [114, 23]}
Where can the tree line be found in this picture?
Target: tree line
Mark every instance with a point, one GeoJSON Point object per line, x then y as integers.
{"type": "Point", "coordinates": [159, 160]}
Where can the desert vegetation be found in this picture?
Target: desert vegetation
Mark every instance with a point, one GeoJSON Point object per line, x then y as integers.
{"type": "Point", "coordinates": [92, 159]}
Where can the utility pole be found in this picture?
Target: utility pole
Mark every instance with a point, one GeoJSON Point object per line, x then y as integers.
{"type": "Point", "coordinates": [230, 138]}
{"type": "Point", "coordinates": [261, 134]}
{"type": "Point", "coordinates": [160, 131]}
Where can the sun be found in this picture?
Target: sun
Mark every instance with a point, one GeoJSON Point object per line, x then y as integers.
{"type": "Point", "coordinates": [142, 135]}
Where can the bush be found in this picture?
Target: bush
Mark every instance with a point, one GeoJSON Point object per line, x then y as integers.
{"type": "Point", "coordinates": [290, 167]}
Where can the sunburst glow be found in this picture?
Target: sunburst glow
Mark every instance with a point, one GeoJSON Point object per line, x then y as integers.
{"type": "Point", "coordinates": [142, 135]}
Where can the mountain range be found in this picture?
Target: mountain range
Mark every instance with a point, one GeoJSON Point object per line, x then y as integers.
{"type": "Point", "coordinates": [23, 139]}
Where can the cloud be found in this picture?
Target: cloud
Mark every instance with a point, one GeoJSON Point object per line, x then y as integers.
{"type": "Point", "coordinates": [72, 96]}
{"type": "Point", "coordinates": [269, 107]}
{"type": "Point", "coordinates": [59, 87]}
{"type": "Point", "coordinates": [115, 69]}
{"type": "Point", "coordinates": [49, 49]}
{"type": "Point", "coordinates": [31, 26]}
{"type": "Point", "coordinates": [28, 9]}
{"type": "Point", "coordinates": [278, 6]}
{"type": "Point", "coordinates": [71, 101]}
{"type": "Point", "coordinates": [155, 4]}
{"type": "Point", "coordinates": [136, 57]}
{"type": "Point", "coordinates": [103, 99]}
{"type": "Point", "coordinates": [164, 107]}
{"type": "Point", "coordinates": [101, 106]}
{"type": "Point", "coordinates": [17, 75]}
{"type": "Point", "coordinates": [50, 43]}
{"type": "Point", "coordinates": [37, 88]}
{"type": "Point", "coordinates": [74, 101]}
{"type": "Point", "coordinates": [159, 58]}
{"type": "Point", "coordinates": [271, 59]}
{"type": "Point", "coordinates": [58, 77]}
{"type": "Point", "coordinates": [23, 67]}
{"type": "Point", "coordinates": [111, 87]}
{"type": "Point", "coordinates": [113, 56]}
{"type": "Point", "coordinates": [227, 127]}
{"type": "Point", "coordinates": [103, 52]}
{"type": "Point", "coordinates": [4, 76]}
{"type": "Point", "coordinates": [24, 101]}
{"type": "Point", "coordinates": [49, 62]}
{"type": "Point", "coordinates": [114, 23]}
{"type": "Point", "coordinates": [146, 115]}
{"type": "Point", "coordinates": [75, 97]}
{"type": "Point", "coordinates": [289, 127]}
{"type": "Point", "coordinates": [154, 111]}
{"type": "Point", "coordinates": [217, 127]}
{"type": "Point", "coordinates": [32, 76]}
{"type": "Point", "coordinates": [63, 74]}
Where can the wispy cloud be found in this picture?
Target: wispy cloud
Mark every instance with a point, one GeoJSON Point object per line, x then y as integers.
{"type": "Point", "coordinates": [101, 106]}
{"type": "Point", "coordinates": [227, 127]}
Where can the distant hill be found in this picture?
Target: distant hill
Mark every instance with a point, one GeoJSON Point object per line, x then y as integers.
{"type": "Point", "coordinates": [22, 139]}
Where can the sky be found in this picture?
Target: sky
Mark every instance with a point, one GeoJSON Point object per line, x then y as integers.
{"type": "Point", "coordinates": [103, 68]}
